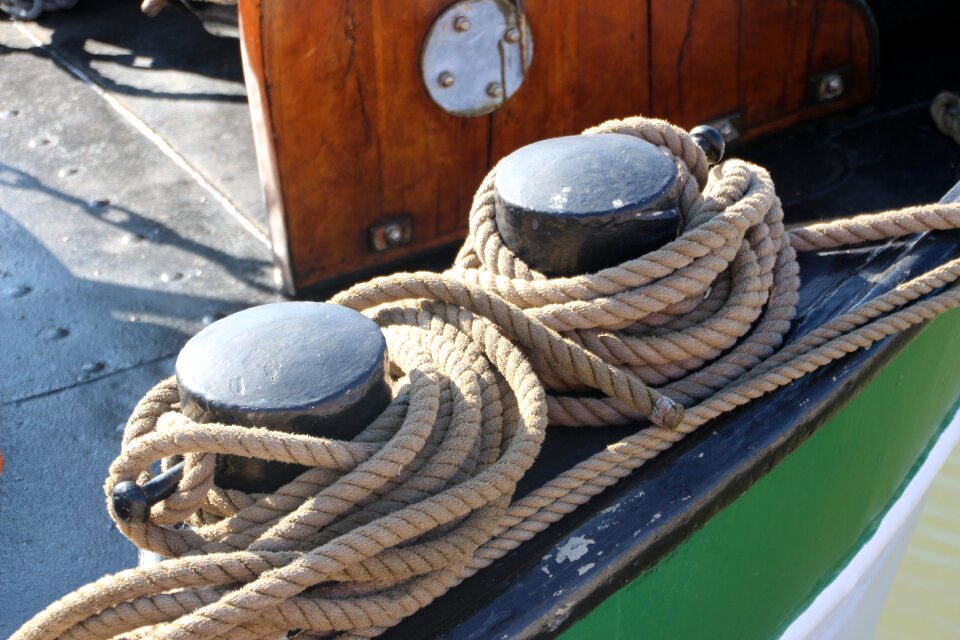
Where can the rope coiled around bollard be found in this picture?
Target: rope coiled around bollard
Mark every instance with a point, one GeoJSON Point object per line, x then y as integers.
{"type": "Point", "coordinates": [423, 498]}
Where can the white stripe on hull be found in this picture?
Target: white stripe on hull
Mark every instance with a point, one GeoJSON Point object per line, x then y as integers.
{"type": "Point", "coordinates": [849, 607]}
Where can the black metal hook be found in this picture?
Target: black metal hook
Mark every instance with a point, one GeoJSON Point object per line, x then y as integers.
{"type": "Point", "coordinates": [711, 141]}
{"type": "Point", "coordinates": [131, 502]}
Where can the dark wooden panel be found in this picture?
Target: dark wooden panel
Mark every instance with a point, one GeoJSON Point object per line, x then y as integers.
{"type": "Point", "coordinates": [419, 144]}
{"type": "Point", "coordinates": [319, 73]}
{"type": "Point", "coordinates": [357, 138]}
{"type": "Point", "coordinates": [776, 45]}
{"type": "Point", "coordinates": [354, 138]}
{"type": "Point", "coordinates": [695, 52]}
{"type": "Point", "coordinates": [590, 64]}
{"type": "Point", "coordinates": [821, 36]}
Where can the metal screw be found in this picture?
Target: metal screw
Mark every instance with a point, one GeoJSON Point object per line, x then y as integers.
{"type": "Point", "coordinates": [495, 90]}
{"type": "Point", "coordinates": [461, 23]}
{"type": "Point", "coordinates": [446, 79]}
{"type": "Point", "coordinates": [830, 87]}
{"type": "Point", "coordinates": [512, 35]}
{"type": "Point", "coordinates": [393, 234]}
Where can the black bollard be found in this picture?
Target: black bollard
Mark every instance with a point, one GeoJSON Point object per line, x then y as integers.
{"type": "Point", "coordinates": [578, 204]}
{"type": "Point", "coordinates": [298, 367]}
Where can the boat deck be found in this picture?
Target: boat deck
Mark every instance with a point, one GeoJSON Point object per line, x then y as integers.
{"type": "Point", "coordinates": [131, 216]}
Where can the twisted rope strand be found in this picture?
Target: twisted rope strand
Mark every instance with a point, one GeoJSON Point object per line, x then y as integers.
{"type": "Point", "coordinates": [482, 357]}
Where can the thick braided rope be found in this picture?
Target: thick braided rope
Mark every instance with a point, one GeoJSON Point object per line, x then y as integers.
{"type": "Point", "coordinates": [675, 317]}
{"type": "Point", "coordinates": [423, 498]}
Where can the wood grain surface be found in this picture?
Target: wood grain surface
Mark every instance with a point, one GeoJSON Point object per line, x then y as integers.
{"type": "Point", "coordinates": [354, 138]}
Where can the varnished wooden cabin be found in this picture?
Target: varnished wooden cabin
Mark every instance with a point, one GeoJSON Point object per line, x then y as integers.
{"type": "Point", "coordinates": [362, 168]}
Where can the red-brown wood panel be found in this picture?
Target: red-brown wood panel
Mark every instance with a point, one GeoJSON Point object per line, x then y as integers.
{"type": "Point", "coordinates": [357, 138]}
{"type": "Point", "coordinates": [818, 37]}
{"type": "Point", "coordinates": [354, 138]}
{"type": "Point", "coordinates": [830, 33]}
{"type": "Point", "coordinates": [776, 46]}
{"type": "Point", "coordinates": [418, 142]}
{"type": "Point", "coordinates": [696, 54]}
{"type": "Point", "coordinates": [590, 64]}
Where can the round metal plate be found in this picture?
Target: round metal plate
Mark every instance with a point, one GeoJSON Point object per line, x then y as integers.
{"type": "Point", "coordinates": [475, 56]}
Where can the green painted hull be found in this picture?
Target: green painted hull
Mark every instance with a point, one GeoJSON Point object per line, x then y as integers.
{"type": "Point", "coordinates": [752, 568]}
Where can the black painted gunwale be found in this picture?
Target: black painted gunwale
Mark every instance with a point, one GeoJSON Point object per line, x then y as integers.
{"type": "Point", "coordinates": [513, 599]}
{"type": "Point", "coordinates": [674, 495]}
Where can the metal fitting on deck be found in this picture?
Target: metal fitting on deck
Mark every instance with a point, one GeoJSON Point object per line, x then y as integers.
{"type": "Point", "coordinates": [299, 367]}
{"type": "Point", "coordinates": [578, 204]}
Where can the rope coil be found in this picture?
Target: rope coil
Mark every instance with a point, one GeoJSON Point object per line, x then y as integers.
{"type": "Point", "coordinates": [483, 357]}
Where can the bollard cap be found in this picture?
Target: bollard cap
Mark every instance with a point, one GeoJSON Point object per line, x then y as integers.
{"type": "Point", "coordinates": [298, 367]}
{"type": "Point", "coordinates": [579, 203]}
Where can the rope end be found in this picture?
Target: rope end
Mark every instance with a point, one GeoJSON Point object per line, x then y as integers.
{"type": "Point", "coordinates": [666, 413]}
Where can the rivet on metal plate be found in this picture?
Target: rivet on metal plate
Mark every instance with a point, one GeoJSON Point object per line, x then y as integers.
{"type": "Point", "coordinates": [446, 79]}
